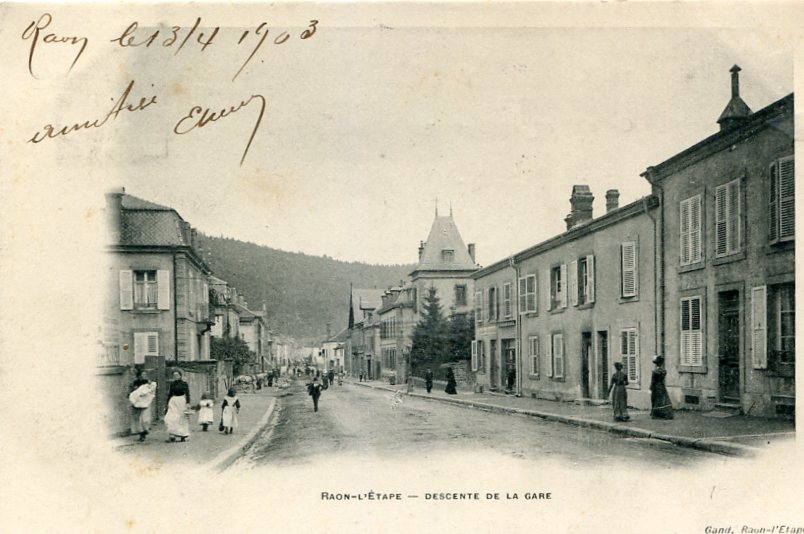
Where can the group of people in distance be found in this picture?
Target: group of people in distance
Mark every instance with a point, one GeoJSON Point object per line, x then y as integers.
{"type": "Point", "coordinates": [660, 406]}
{"type": "Point", "coordinates": [177, 422]}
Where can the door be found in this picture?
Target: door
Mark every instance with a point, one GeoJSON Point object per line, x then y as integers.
{"type": "Point", "coordinates": [508, 378]}
{"type": "Point", "coordinates": [603, 363]}
{"type": "Point", "coordinates": [494, 379]}
{"type": "Point", "coordinates": [729, 346]}
{"type": "Point", "coordinates": [586, 346]}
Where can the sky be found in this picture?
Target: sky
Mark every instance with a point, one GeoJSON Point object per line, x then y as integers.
{"type": "Point", "coordinates": [366, 128]}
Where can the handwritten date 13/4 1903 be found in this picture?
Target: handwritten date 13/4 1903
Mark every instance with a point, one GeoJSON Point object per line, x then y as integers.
{"type": "Point", "coordinates": [196, 118]}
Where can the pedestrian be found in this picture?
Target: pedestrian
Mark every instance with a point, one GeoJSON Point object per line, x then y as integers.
{"type": "Point", "coordinates": [331, 377]}
{"type": "Point", "coordinates": [428, 380]}
{"type": "Point", "coordinates": [619, 400]}
{"type": "Point", "coordinates": [314, 390]}
{"type": "Point", "coordinates": [205, 415]}
{"type": "Point", "coordinates": [340, 378]}
{"type": "Point", "coordinates": [660, 406]}
{"type": "Point", "coordinates": [450, 389]}
{"type": "Point", "coordinates": [178, 400]}
{"type": "Point", "coordinates": [141, 397]}
{"type": "Point", "coordinates": [230, 410]}
{"type": "Point", "coordinates": [511, 379]}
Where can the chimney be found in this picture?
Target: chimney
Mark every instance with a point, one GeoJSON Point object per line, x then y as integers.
{"type": "Point", "coordinates": [581, 206]}
{"type": "Point", "coordinates": [471, 248]}
{"type": "Point", "coordinates": [114, 214]}
{"type": "Point", "coordinates": [736, 111]}
{"type": "Point", "coordinates": [421, 249]}
{"type": "Point", "coordinates": [193, 238]}
{"type": "Point", "coordinates": [185, 232]}
{"type": "Point", "coordinates": [612, 200]}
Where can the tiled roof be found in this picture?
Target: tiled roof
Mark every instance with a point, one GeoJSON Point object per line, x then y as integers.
{"type": "Point", "coordinates": [365, 299]}
{"type": "Point", "coordinates": [150, 227]}
{"type": "Point", "coordinates": [443, 236]}
{"type": "Point", "coordinates": [130, 202]}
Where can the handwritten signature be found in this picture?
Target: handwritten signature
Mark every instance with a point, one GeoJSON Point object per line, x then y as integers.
{"type": "Point", "coordinates": [199, 117]}
{"type": "Point", "coordinates": [33, 32]}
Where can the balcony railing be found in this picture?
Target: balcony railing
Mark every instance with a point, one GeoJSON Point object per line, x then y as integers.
{"type": "Point", "coordinates": [109, 355]}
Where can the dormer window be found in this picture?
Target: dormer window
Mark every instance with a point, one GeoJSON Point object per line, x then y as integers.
{"type": "Point", "coordinates": [447, 255]}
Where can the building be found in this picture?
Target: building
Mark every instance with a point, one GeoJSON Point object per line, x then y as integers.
{"type": "Point", "coordinates": [396, 317]}
{"type": "Point", "coordinates": [551, 320]}
{"type": "Point", "coordinates": [728, 265]}
{"type": "Point", "coordinates": [223, 299]}
{"type": "Point", "coordinates": [361, 303]}
{"type": "Point", "coordinates": [254, 331]}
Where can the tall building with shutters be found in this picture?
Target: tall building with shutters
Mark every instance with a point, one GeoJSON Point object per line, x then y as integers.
{"type": "Point", "coordinates": [158, 302]}
{"type": "Point", "coordinates": [728, 262]}
{"type": "Point", "coordinates": [551, 320]}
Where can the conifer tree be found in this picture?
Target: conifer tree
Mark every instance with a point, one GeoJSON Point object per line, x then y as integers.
{"type": "Point", "coordinates": [431, 335]}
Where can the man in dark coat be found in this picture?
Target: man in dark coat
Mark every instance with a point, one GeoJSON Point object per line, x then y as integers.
{"type": "Point", "coordinates": [331, 377]}
{"type": "Point", "coordinates": [451, 384]}
{"type": "Point", "coordinates": [314, 390]}
{"type": "Point", "coordinates": [428, 380]}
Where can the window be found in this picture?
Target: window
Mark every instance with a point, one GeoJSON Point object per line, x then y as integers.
{"type": "Point", "coordinates": [494, 312]}
{"type": "Point", "coordinates": [447, 255]}
{"type": "Point", "coordinates": [479, 306]}
{"type": "Point", "coordinates": [507, 308]}
{"type": "Point", "coordinates": [782, 221]}
{"type": "Point", "coordinates": [145, 344]}
{"type": "Point", "coordinates": [691, 333]}
{"type": "Point", "coordinates": [557, 354]}
{"type": "Point", "coordinates": [144, 289]}
{"type": "Point", "coordinates": [534, 355]}
{"type": "Point", "coordinates": [773, 326]}
{"type": "Point", "coordinates": [460, 295]}
{"type": "Point", "coordinates": [629, 351]}
{"type": "Point", "coordinates": [558, 293]}
{"type": "Point", "coordinates": [629, 277]}
{"type": "Point", "coordinates": [527, 294]}
{"type": "Point", "coordinates": [727, 219]}
{"type": "Point", "coordinates": [481, 356]}
{"type": "Point", "coordinates": [474, 355]}
{"type": "Point", "coordinates": [585, 288]}
{"type": "Point", "coordinates": [690, 225]}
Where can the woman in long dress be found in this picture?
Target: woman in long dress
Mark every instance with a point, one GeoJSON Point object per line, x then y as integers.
{"type": "Point", "coordinates": [619, 400]}
{"type": "Point", "coordinates": [451, 384]}
{"type": "Point", "coordinates": [177, 422]}
{"type": "Point", "coordinates": [141, 396]}
{"type": "Point", "coordinates": [231, 408]}
{"type": "Point", "coordinates": [660, 406]}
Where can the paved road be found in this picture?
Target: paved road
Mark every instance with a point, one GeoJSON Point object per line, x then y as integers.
{"type": "Point", "coordinates": [373, 423]}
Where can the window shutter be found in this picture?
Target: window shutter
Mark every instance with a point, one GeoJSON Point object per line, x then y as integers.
{"type": "Point", "coordinates": [633, 350]}
{"type": "Point", "coordinates": [787, 198]}
{"type": "Point", "coordinates": [684, 233]}
{"type": "Point", "coordinates": [629, 269]}
{"type": "Point", "coordinates": [534, 355]}
{"type": "Point", "coordinates": [563, 271]}
{"type": "Point", "coordinates": [696, 252]}
{"type": "Point", "coordinates": [721, 222]}
{"type": "Point", "coordinates": [523, 296]}
{"type": "Point", "coordinates": [773, 208]}
{"type": "Point", "coordinates": [152, 348]}
{"type": "Point", "coordinates": [759, 317]}
{"type": "Point", "coordinates": [533, 293]}
{"type": "Point", "coordinates": [140, 346]}
{"type": "Point", "coordinates": [497, 303]}
{"type": "Point", "coordinates": [696, 336]}
{"type": "Point", "coordinates": [126, 290]}
{"type": "Point", "coordinates": [559, 357]}
{"type": "Point", "coordinates": [685, 332]}
{"type": "Point", "coordinates": [573, 281]}
{"type": "Point", "coordinates": [551, 363]}
{"type": "Point", "coordinates": [548, 293]}
{"type": "Point", "coordinates": [590, 278]}
{"type": "Point", "coordinates": [163, 289]}
{"type": "Point", "coordinates": [734, 220]}
{"type": "Point", "coordinates": [474, 355]}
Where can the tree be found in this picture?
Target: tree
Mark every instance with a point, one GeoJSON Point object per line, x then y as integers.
{"type": "Point", "coordinates": [461, 334]}
{"type": "Point", "coordinates": [232, 348]}
{"type": "Point", "coordinates": [431, 334]}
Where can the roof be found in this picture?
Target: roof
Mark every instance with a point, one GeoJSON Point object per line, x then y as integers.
{"type": "Point", "coordinates": [130, 202]}
{"type": "Point", "coordinates": [444, 235]}
{"type": "Point", "coordinates": [146, 223]}
{"type": "Point", "coordinates": [365, 300]}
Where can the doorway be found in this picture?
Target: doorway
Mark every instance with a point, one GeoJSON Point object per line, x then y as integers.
{"type": "Point", "coordinates": [603, 363]}
{"type": "Point", "coordinates": [494, 379]}
{"type": "Point", "coordinates": [729, 346]}
{"type": "Point", "coordinates": [508, 377]}
{"type": "Point", "coordinates": [586, 346]}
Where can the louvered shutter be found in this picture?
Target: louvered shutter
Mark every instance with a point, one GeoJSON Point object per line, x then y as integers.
{"type": "Point", "coordinates": [696, 252]}
{"type": "Point", "coordinates": [590, 278]}
{"type": "Point", "coordinates": [126, 290]}
{"type": "Point", "coordinates": [549, 293]}
{"type": "Point", "coordinates": [633, 355]}
{"type": "Point", "coordinates": [497, 303]}
{"type": "Point", "coordinates": [759, 317]}
{"type": "Point", "coordinates": [532, 293]}
{"type": "Point", "coordinates": [696, 335]}
{"type": "Point", "coordinates": [152, 347]}
{"type": "Point", "coordinates": [787, 199]}
{"type": "Point", "coordinates": [558, 360]}
{"type": "Point", "coordinates": [523, 295]}
{"type": "Point", "coordinates": [563, 274]}
{"type": "Point", "coordinates": [163, 289]}
{"type": "Point", "coordinates": [773, 208]}
{"type": "Point", "coordinates": [629, 269]}
{"type": "Point", "coordinates": [474, 355]}
{"type": "Point", "coordinates": [721, 221]}
{"type": "Point", "coordinates": [551, 363]}
{"type": "Point", "coordinates": [684, 232]}
{"type": "Point", "coordinates": [534, 355]}
{"type": "Point", "coordinates": [733, 206]}
{"type": "Point", "coordinates": [573, 282]}
{"type": "Point", "coordinates": [685, 332]}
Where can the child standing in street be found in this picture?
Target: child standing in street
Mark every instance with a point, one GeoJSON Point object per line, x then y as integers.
{"type": "Point", "coordinates": [231, 408]}
{"type": "Point", "coordinates": [205, 415]}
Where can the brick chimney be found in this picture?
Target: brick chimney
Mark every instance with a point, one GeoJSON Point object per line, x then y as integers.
{"type": "Point", "coordinates": [581, 206]}
{"type": "Point", "coordinates": [471, 248]}
{"type": "Point", "coordinates": [114, 214]}
{"type": "Point", "coordinates": [736, 111]}
{"type": "Point", "coordinates": [612, 200]}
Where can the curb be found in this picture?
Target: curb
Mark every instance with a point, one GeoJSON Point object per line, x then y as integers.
{"type": "Point", "coordinates": [703, 444]}
{"type": "Point", "coordinates": [228, 457]}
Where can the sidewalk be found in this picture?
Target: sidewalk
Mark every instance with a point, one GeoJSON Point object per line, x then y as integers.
{"type": "Point", "coordinates": [736, 435]}
{"type": "Point", "coordinates": [211, 448]}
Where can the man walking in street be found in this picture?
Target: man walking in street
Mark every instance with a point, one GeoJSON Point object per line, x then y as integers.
{"type": "Point", "coordinates": [428, 380]}
{"type": "Point", "coordinates": [314, 390]}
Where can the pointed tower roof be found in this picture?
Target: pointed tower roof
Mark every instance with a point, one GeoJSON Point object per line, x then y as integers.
{"type": "Point", "coordinates": [444, 249]}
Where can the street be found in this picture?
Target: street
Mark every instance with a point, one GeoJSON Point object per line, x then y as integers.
{"type": "Point", "coordinates": [377, 424]}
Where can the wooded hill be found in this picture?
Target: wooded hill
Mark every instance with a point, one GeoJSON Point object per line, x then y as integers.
{"type": "Point", "coordinates": [302, 293]}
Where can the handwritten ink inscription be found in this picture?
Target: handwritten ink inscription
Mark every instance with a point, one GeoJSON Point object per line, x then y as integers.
{"type": "Point", "coordinates": [175, 38]}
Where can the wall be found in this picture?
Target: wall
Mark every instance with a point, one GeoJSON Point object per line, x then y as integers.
{"type": "Point", "coordinates": [487, 330]}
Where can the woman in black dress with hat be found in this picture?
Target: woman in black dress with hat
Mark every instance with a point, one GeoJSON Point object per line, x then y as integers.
{"type": "Point", "coordinates": [660, 406]}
